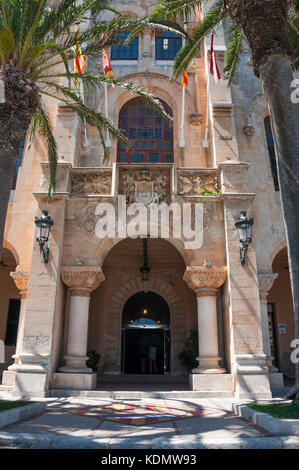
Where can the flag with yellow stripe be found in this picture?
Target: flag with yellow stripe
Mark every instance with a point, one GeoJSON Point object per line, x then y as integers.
{"type": "Point", "coordinates": [79, 58]}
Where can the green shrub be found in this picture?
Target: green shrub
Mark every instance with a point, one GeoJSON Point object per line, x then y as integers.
{"type": "Point", "coordinates": [93, 360]}
{"type": "Point", "coordinates": [190, 352]}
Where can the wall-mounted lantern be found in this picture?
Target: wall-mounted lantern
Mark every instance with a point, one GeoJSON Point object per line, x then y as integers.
{"type": "Point", "coordinates": [244, 226]}
{"type": "Point", "coordinates": [44, 224]}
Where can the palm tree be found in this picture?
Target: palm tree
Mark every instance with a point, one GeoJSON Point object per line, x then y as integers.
{"type": "Point", "coordinates": [37, 44]}
{"type": "Point", "coordinates": [271, 28]}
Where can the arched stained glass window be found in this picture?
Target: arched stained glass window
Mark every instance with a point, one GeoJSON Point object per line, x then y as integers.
{"type": "Point", "coordinates": [271, 150]}
{"type": "Point", "coordinates": [150, 133]}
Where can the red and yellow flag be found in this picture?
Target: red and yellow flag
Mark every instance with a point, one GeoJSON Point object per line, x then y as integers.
{"type": "Point", "coordinates": [106, 62]}
{"type": "Point", "coordinates": [184, 78]}
{"type": "Point", "coordinates": [79, 58]}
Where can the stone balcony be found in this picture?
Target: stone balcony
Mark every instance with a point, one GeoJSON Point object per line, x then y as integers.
{"type": "Point", "coordinates": [158, 183]}
{"type": "Point", "coordinates": [147, 183]}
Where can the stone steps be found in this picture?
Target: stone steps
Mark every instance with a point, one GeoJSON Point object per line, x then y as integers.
{"type": "Point", "coordinates": [148, 379]}
{"type": "Point", "coordinates": [5, 388]}
{"type": "Point", "coordinates": [119, 394]}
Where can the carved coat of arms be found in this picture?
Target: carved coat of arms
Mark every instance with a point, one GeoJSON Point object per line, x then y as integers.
{"type": "Point", "coordinates": [144, 187]}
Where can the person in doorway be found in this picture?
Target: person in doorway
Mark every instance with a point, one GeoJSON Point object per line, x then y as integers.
{"type": "Point", "coordinates": [152, 356]}
{"type": "Point", "coordinates": [142, 354]}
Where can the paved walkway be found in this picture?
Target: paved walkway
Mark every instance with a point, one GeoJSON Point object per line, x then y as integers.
{"type": "Point", "coordinates": [139, 423]}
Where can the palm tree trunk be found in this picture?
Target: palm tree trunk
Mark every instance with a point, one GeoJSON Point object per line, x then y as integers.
{"type": "Point", "coordinates": [276, 76]}
{"type": "Point", "coordinates": [14, 123]}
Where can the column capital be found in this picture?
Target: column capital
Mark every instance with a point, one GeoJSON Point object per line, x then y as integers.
{"type": "Point", "coordinates": [265, 283]}
{"type": "Point", "coordinates": [203, 279]}
{"type": "Point", "coordinates": [21, 280]}
{"type": "Point", "coordinates": [82, 280]}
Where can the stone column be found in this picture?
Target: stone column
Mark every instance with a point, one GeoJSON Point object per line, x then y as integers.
{"type": "Point", "coordinates": [205, 281]}
{"type": "Point", "coordinates": [265, 284]}
{"type": "Point", "coordinates": [147, 43]}
{"type": "Point", "coordinates": [81, 281]}
{"type": "Point", "coordinates": [21, 279]}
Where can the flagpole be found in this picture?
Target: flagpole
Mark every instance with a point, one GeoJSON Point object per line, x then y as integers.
{"type": "Point", "coordinates": [205, 141]}
{"type": "Point", "coordinates": [182, 133]}
{"type": "Point", "coordinates": [107, 141]}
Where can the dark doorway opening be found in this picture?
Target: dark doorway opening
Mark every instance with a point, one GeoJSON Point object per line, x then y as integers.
{"type": "Point", "coordinates": [146, 335]}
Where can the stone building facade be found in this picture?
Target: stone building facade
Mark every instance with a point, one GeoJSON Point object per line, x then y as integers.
{"type": "Point", "coordinates": [90, 295]}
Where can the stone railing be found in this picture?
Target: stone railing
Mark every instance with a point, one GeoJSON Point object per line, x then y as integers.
{"type": "Point", "coordinates": [196, 182]}
{"type": "Point", "coordinates": [91, 181]}
{"type": "Point", "coordinates": [139, 183]}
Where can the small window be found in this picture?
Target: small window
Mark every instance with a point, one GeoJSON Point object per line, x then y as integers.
{"type": "Point", "coordinates": [122, 52]}
{"type": "Point", "coordinates": [271, 150]}
{"type": "Point", "coordinates": [17, 166]}
{"type": "Point", "coordinates": [167, 45]}
{"type": "Point", "coordinates": [12, 322]}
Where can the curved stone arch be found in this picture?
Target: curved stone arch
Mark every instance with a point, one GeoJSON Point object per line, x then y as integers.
{"type": "Point", "coordinates": [266, 251]}
{"type": "Point", "coordinates": [153, 82]}
{"type": "Point", "coordinates": [8, 246]}
{"type": "Point", "coordinates": [278, 248]}
{"type": "Point", "coordinates": [258, 109]}
{"type": "Point", "coordinates": [113, 334]}
{"type": "Point", "coordinates": [106, 244]}
{"type": "Point", "coordinates": [257, 113]}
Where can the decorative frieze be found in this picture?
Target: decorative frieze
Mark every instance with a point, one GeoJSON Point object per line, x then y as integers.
{"type": "Point", "coordinates": [92, 183]}
{"type": "Point", "coordinates": [194, 183]}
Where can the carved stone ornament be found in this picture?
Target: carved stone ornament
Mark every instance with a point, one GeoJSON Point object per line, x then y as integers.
{"type": "Point", "coordinates": [92, 183]}
{"type": "Point", "coordinates": [21, 279]}
{"type": "Point", "coordinates": [198, 277]}
{"type": "Point", "coordinates": [83, 278]}
{"type": "Point", "coordinates": [144, 186]}
{"type": "Point", "coordinates": [192, 183]}
{"type": "Point", "coordinates": [265, 283]}
{"type": "Point", "coordinates": [196, 119]}
{"type": "Point", "coordinates": [248, 131]}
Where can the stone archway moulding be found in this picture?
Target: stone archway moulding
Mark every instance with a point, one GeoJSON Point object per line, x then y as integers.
{"type": "Point", "coordinates": [113, 337]}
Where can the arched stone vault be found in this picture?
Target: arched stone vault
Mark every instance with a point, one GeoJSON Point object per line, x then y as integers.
{"type": "Point", "coordinates": [113, 336]}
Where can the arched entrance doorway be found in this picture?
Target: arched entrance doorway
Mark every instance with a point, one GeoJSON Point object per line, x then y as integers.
{"type": "Point", "coordinates": [281, 316]}
{"type": "Point", "coordinates": [9, 307]}
{"type": "Point", "coordinates": [121, 268]}
{"type": "Point", "coordinates": [146, 335]}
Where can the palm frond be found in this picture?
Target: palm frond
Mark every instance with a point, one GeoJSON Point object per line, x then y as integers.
{"type": "Point", "coordinates": [235, 38]}
{"type": "Point", "coordinates": [172, 9]}
{"type": "Point", "coordinates": [42, 122]}
{"type": "Point", "coordinates": [98, 81]}
{"type": "Point", "coordinates": [293, 35]}
{"type": "Point", "coordinates": [74, 101]}
{"type": "Point", "coordinates": [191, 48]}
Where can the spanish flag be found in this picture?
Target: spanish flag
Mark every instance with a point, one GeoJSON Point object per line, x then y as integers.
{"type": "Point", "coordinates": [79, 58]}
{"type": "Point", "coordinates": [184, 78]}
{"type": "Point", "coordinates": [106, 62]}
